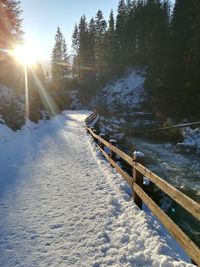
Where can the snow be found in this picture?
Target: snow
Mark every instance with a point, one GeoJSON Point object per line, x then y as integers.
{"type": "Point", "coordinates": [61, 204]}
{"type": "Point", "coordinates": [112, 126]}
{"type": "Point", "coordinates": [191, 142]}
{"type": "Point", "coordinates": [74, 99]}
{"type": "Point", "coordinates": [5, 133]}
{"type": "Point", "coordinates": [6, 93]}
{"type": "Point", "coordinates": [126, 94]}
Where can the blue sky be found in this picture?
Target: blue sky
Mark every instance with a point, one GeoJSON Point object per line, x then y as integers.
{"type": "Point", "coordinates": [41, 18]}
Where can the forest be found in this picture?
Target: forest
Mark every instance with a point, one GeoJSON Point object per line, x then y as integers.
{"type": "Point", "coordinates": [162, 38]}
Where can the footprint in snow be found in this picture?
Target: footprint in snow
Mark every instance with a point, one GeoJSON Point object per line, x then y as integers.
{"type": "Point", "coordinates": [56, 226]}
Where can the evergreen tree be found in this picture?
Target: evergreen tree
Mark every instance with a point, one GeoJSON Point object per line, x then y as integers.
{"type": "Point", "coordinates": [101, 26]}
{"type": "Point", "coordinates": [146, 34]}
{"type": "Point", "coordinates": [110, 52]}
{"type": "Point", "coordinates": [60, 66]}
{"type": "Point", "coordinates": [75, 46]}
{"type": "Point", "coordinates": [83, 52]}
{"type": "Point", "coordinates": [91, 48]}
{"type": "Point", "coordinates": [173, 80]}
{"type": "Point", "coordinates": [192, 64]}
{"type": "Point", "coordinates": [121, 34]}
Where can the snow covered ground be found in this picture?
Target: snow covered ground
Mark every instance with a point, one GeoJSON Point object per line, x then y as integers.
{"type": "Point", "coordinates": [62, 205]}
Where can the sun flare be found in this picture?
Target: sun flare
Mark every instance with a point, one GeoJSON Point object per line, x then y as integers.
{"type": "Point", "coordinates": [26, 54]}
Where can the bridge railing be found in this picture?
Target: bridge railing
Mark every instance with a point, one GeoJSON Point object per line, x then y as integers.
{"type": "Point", "coordinates": [140, 196]}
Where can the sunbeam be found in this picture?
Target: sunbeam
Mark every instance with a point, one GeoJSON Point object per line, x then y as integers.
{"type": "Point", "coordinates": [26, 92]}
{"type": "Point", "coordinates": [48, 102]}
{"type": "Point", "coordinates": [80, 67]}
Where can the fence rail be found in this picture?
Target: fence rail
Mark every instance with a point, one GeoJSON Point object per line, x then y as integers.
{"type": "Point", "coordinates": [136, 183]}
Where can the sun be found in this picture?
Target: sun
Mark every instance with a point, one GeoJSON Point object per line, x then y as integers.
{"type": "Point", "coordinates": [26, 54]}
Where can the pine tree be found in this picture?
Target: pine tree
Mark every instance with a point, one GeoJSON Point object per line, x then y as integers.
{"type": "Point", "coordinates": [192, 64]}
{"type": "Point", "coordinates": [131, 33]}
{"type": "Point", "coordinates": [83, 52]}
{"type": "Point", "coordinates": [110, 52]}
{"type": "Point", "coordinates": [101, 26]}
{"type": "Point", "coordinates": [174, 78]}
{"type": "Point", "coordinates": [75, 46]}
{"type": "Point", "coordinates": [66, 69]}
{"type": "Point", "coordinates": [59, 57]}
{"type": "Point", "coordinates": [91, 48]}
{"type": "Point", "coordinates": [121, 34]}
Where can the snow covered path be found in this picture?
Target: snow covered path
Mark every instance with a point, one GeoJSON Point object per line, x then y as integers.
{"type": "Point", "coordinates": [62, 205]}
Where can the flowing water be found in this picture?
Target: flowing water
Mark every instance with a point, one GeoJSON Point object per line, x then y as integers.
{"type": "Point", "coordinates": [181, 171]}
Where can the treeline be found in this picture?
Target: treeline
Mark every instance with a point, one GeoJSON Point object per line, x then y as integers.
{"type": "Point", "coordinates": [12, 106]}
{"type": "Point", "coordinates": [150, 34]}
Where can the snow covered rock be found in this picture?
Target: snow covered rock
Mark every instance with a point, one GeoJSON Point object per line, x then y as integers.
{"type": "Point", "coordinates": [75, 103]}
{"type": "Point", "coordinates": [124, 95]}
{"type": "Point", "coordinates": [112, 126]}
{"type": "Point", "coordinates": [191, 142]}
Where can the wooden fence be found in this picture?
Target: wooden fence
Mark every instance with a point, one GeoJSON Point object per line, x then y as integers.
{"type": "Point", "coordinates": [136, 183]}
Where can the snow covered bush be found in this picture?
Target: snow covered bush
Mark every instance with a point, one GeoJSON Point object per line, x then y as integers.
{"type": "Point", "coordinates": [11, 108]}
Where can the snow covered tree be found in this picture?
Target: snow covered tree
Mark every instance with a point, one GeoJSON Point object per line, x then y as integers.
{"type": "Point", "coordinates": [59, 59]}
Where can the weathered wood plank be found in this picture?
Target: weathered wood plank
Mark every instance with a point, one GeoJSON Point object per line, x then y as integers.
{"type": "Point", "coordinates": [91, 117]}
{"type": "Point", "coordinates": [187, 203]}
{"type": "Point", "coordinates": [187, 244]}
{"type": "Point", "coordinates": [138, 177]}
{"type": "Point", "coordinates": [125, 175]}
{"type": "Point", "coordinates": [123, 155]}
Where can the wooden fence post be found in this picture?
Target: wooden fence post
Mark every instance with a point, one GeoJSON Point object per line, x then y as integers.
{"type": "Point", "coordinates": [113, 154]}
{"type": "Point", "coordinates": [95, 132]}
{"type": "Point", "coordinates": [102, 135]}
{"type": "Point", "coordinates": [193, 262]}
{"type": "Point", "coordinates": [138, 177]}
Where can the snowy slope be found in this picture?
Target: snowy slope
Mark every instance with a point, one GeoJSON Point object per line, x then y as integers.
{"type": "Point", "coordinates": [126, 94]}
{"type": "Point", "coordinates": [62, 205]}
